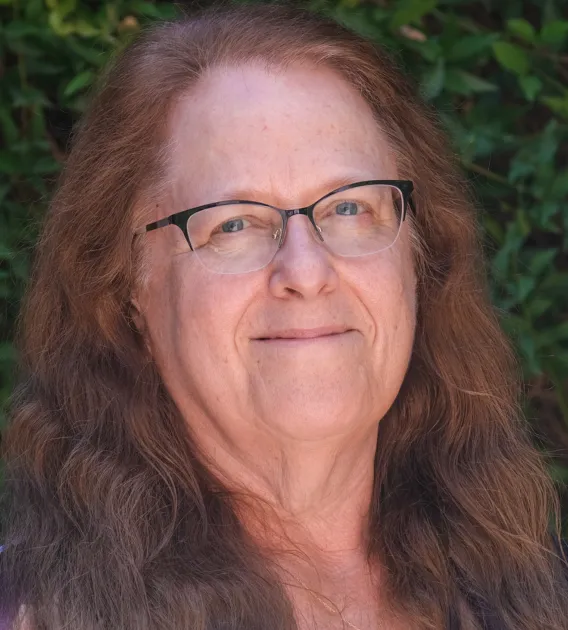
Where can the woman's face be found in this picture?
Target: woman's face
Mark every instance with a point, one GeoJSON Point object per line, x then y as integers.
{"type": "Point", "coordinates": [285, 138]}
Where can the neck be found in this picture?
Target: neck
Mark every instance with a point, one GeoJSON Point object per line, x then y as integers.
{"type": "Point", "coordinates": [306, 506]}
{"type": "Point", "coordinates": [314, 496]}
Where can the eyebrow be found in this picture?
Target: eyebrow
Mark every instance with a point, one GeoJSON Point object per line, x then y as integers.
{"type": "Point", "coordinates": [256, 194]}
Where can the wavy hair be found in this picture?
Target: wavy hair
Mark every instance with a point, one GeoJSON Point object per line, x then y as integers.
{"type": "Point", "coordinates": [111, 519]}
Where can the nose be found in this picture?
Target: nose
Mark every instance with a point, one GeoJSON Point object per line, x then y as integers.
{"type": "Point", "coordinates": [303, 266]}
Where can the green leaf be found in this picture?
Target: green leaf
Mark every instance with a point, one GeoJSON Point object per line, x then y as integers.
{"type": "Point", "coordinates": [146, 8]}
{"type": "Point", "coordinates": [521, 28]}
{"type": "Point", "coordinates": [56, 20]}
{"type": "Point", "coordinates": [10, 131]}
{"type": "Point", "coordinates": [541, 260]}
{"type": "Point", "coordinates": [4, 189]}
{"type": "Point", "coordinates": [429, 49]}
{"type": "Point", "coordinates": [358, 22]}
{"type": "Point", "coordinates": [470, 46]}
{"type": "Point", "coordinates": [463, 82]}
{"type": "Point", "coordinates": [559, 187]}
{"type": "Point", "coordinates": [63, 7]}
{"type": "Point", "coordinates": [84, 29]}
{"type": "Point", "coordinates": [554, 33]}
{"type": "Point", "coordinates": [167, 10]}
{"type": "Point", "coordinates": [433, 80]}
{"type": "Point", "coordinates": [531, 86]}
{"type": "Point", "coordinates": [523, 222]}
{"type": "Point", "coordinates": [525, 284]}
{"type": "Point", "coordinates": [558, 473]}
{"type": "Point", "coordinates": [538, 307]}
{"type": "Point", "coordinates": [16, 29]}
{"type": "Point", "coordinates": [7, 352]}
{"type": "Point", "coordinates": [39, 67]}
{"type": "Point", "coordinates": [557, 364]}
{"type": "Point", "coordinates": [23, 48]}
{"type": "Point", "coordinates": [5, 253]}
{"type": "Point", "coordinates": [410, 11]}
{"type": "Point", "coordinates": [554, 335]}
{"type": "Point", "coordinates": [10, 164]}
{"type": "Point", "coordinates": [46, 165]}
{"type": "Point", "coordinates": [557, 104]}
{"type": "Point", "coordinates": [493, 228]}
{"type": "Point", "coordinates": [93, 55]}
{"type": "Point", "coordinates": [555, 283]}
{"type": "Point", "coordinates": [34, 10]}
{"type": "Point", "coordinates": [528, 349]}
{"type": "Point", "coordinates": [78, 82]}
{"type": "Point", "coordinates": [511, 57]}
{"type": "Point", "coordinates": [28, 96]}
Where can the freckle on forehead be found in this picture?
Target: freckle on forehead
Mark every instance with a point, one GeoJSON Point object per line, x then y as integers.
{"type": "Point", "coordinates": [248, 141]}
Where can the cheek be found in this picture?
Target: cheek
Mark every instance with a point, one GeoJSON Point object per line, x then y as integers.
{"type": "Point", "coordinates": [395, 317]}
{"type": "Point", "coordinates": [387, 292]}
{"type": "Point", "coordinates": [206, 316]}
{"type": "Point", "coordinates": [193, 315]}
{"type": "Point", "coordinates": [390, 289]}
{"type": "Point", "coordinates": [190, 315]}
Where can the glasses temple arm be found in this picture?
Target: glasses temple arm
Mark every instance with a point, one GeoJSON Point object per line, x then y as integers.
{"type": "Point", "coordinates": [411, 204]}
{"type": "Point", "coordinates": [154, 226]}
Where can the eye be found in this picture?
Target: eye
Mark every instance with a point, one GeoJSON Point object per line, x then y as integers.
{"type": "Point", "coordinates": [347, 208]}
{"type": "Point", "coordinates": [233, 225]}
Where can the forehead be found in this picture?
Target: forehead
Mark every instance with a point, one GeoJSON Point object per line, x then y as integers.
{"type": "Point", "coordinates": [284, 133]}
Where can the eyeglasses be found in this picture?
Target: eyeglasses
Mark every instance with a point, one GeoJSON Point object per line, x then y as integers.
{"type": "Point", "coordinates": [236, 236]}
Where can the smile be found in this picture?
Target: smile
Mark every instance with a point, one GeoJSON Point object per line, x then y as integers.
{"type": "Point", "coordinates": [306, 334]}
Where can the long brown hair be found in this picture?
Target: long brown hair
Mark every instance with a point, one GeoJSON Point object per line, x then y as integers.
{"type": "Point", "coordinates": [111, 521]}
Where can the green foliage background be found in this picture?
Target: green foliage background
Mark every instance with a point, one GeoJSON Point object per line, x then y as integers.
{"type": "Point", "coordinates": [496, 70]}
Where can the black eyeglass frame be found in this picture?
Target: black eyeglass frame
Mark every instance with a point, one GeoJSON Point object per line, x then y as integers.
{"type": "Point", "coordinates": [181, 218]}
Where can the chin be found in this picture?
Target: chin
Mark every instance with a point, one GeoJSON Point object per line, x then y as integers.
{"type": "Point", "coordinates": [312, 421]}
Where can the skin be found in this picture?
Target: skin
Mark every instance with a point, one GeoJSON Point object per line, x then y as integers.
{"type": "Point", "coordinates": [294, 422]}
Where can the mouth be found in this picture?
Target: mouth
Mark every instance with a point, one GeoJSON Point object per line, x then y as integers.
{"type": "Point", "coordinates": [305, 334]}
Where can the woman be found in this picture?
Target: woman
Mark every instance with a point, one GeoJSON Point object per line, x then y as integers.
{"type": "Point", "coordinates": [263, 385]}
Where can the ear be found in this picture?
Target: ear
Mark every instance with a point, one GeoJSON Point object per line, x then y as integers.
{"type": "Point", "coordinates": [136, 314]}
{"type": "Point", "coordinates": [139, 321]}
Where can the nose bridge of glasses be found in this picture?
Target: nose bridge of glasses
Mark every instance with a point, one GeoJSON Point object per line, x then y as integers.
{"type": "Point", "coordinates": [307, 211]}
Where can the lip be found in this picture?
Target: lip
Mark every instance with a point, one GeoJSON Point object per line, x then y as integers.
{"type": "Point", "coordinates": [291, 334]}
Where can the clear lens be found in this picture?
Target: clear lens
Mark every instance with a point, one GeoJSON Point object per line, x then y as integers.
{"type": "Point", "coordinates": [361, 220]}
{"type": "Point", "coordinates": [238, 238]}
{"type": "Point", "coordinates": [235, 238]}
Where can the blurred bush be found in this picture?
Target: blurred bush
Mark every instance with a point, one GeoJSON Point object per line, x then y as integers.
{"type": "Point", "coordinates": [496, 70]}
